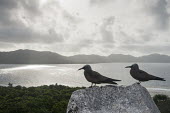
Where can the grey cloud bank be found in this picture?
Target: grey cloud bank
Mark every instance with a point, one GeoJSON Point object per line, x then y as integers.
{"type": "Point", "coordinates": [71, 27]}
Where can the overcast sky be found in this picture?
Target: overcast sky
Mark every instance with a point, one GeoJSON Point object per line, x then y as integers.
{"type": "Point", "coordinates": [103, 27]}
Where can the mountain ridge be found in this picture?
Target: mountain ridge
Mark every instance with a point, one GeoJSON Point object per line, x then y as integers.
{"type": "Point", "coordinates": [27, 56]}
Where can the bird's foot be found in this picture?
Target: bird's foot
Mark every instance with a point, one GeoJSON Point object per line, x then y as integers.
{"type": "Point", "coordinates": [92, 85]}
{"type": "Point", "coordinates": [138, 82]}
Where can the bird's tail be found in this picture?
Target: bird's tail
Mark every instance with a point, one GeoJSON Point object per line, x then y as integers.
{"type": "Point", "coordinates": [114, 79]}
{"type": "Point", "coordinates": [159, 78]}
{"type": "Point", "coordinates": [111, 81]}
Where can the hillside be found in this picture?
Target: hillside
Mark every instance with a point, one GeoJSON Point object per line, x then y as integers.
{"type": "Point", "coordinates": [32, 57]}
{"type": "Point", "coordinates": [46, 57]}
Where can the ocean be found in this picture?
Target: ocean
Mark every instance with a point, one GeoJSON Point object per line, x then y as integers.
{"type": "Point", "coordinates": [68, 74]}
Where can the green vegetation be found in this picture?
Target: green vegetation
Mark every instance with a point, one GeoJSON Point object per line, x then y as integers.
{"type": "Point", "coordinates": [42, 99]}
{"type": "Point", "coordinates": [49, 99]}
{"type": "Point", "coordinates": [163, 103]}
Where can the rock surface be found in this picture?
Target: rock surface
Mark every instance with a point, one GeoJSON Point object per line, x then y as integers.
{"type": "Point", "coordinates": [112, 99]}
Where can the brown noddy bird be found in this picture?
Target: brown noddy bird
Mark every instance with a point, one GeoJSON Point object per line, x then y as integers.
{"type": "Point", "coordinates": [95, 77]}
{"type": "Point", "coordinates": [141, 75]}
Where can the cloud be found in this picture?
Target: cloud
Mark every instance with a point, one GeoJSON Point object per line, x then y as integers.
{"type": "Point", "coordinates": [22, 34]}
{"type": "Point", "coordinates": [80, 45]}
{"type": "Point", "coordinates": [30, 6]}
{"type": "Point", "coordinates": [6, 46]}
{"type": "Point", "coordinates": [146, 36]}
{"type": "Point", "coordinates": [6, 6]}
{"type": "Point", "coordinates": [147, 49]}
{"type": "Point", "coordinates": [158, 9]}
{"type": "Point", "coordinates": [98, 2]}
{"type": "Point", "coordinates": [83, 46]}
{"type": "Point", "coordinates": [106, 30]}
{"type": "Point", "coordinates": [141, 36]}
{"type": "Point", "coordinates": [161, 14]}
{"type": "Point", "coordinates": [73, 27]}
{"type": "Point", "coordinates": [27, 21]}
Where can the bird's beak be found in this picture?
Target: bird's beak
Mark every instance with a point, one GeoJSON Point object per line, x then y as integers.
{"type": "Point", "coordinates": [128, 66]}
{"type": "Point", "coordinates": [80, 68]}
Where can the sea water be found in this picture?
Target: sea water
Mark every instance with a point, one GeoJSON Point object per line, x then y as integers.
{"type": "Point", "coordinates": [68, 74]}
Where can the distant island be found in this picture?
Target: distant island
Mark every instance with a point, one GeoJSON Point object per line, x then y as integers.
{"type": "Point", "coordinates": [46, 57]}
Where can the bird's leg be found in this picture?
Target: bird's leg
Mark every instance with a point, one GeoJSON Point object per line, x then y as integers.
{"type": "Point", "coordinates": [94, 84]}
{"type": "Point", "coordinates": [91, 85]}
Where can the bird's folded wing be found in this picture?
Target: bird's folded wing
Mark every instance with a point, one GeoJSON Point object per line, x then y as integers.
{"type": "Point", "coordinates": [143, 72]}
{"type": "Point", "coordinates": [98, 76]}
{"type": "Point", "coordinates": [145, 75]}
{"type": "Point", "coordinates": [101, 77]}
